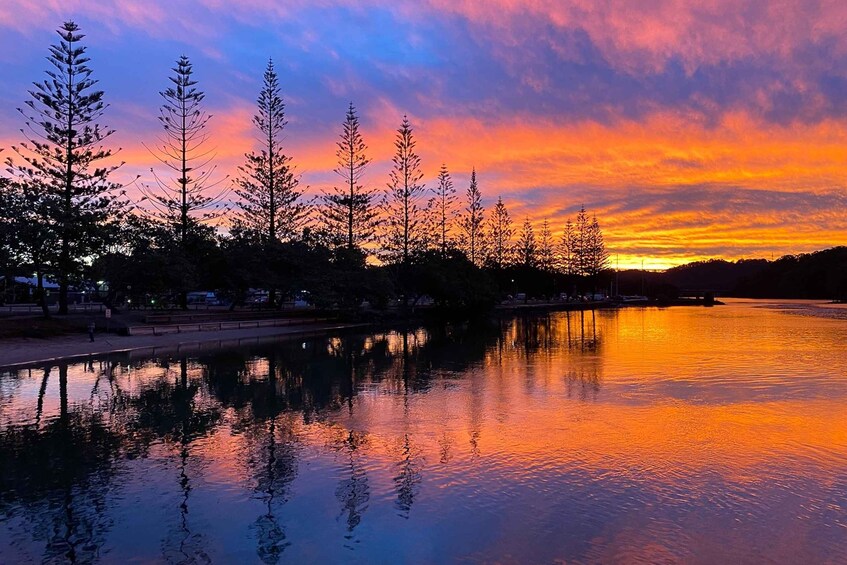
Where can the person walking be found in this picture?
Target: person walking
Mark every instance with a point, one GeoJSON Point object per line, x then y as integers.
{"type": "Point", "coordinates": [91, 330]}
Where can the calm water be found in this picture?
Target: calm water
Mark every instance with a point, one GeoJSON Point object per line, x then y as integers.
{"type": "Point", "coordinates": [677, 435]}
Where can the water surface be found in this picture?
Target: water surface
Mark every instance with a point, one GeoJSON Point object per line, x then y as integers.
{"type": "Point", "coordinates": [654, 435]}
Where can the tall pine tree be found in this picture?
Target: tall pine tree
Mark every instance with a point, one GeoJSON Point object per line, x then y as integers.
{"type": "Point", "coordinates": [581, 249]}
{"type": "Point", "coordinates": [443, 206]}
{"type": "Point", "coordinates": [500, 230]}
{"type": "Point", "coordinates": [471, 223]}
{"type": "Point", "coordinates": [526, 248]}
{"type": "Point", "coordinates": [597, 258]}
{"type": "Point", "coordinates": [545, 248]}
{"type": "Point", "coordinates": [191, 194]}
{"type": "Point", "coordinates": [348, 211]}
{"type": "Point", "coordinates": [65, 166]}
{"type": "Point", "coordinates": [270, 207]}
{"type": "Point", "coordinates": [404, 221]}
{"type": "Point", "coordinates": [567, 249]}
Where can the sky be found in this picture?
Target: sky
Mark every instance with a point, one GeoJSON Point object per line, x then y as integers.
{"type": "Point", "coordinates": [693, 129]}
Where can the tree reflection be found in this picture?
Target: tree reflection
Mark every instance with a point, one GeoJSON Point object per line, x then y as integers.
{"type": "Point", "coordinates": [176, 414]}
{"type": "Point", "coordinates": [58, 473]}
{"type": "Point", "coordinates": [353, 492]}
{"type": "Point", "coordinates": [270, 402]}
{"type": "Point", "coordinates": [408, 479]}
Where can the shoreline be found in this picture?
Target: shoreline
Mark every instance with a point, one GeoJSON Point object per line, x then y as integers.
{"type": "Point", "coordinates": [16, 353]}
{"type": "Point", "coordinates": [28, 352]}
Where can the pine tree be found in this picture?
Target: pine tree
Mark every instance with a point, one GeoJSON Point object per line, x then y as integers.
{"type": "Point", "coordinates": [597, 255]}
{"type": "Point", "coordinates": [443, 206]}
{"type": "Point", "coordinates": [65, 168]}
{"type": "Point", "coordinates": [471, 223]}
{"type": "Point", "coordinates": [192, 196]}
{"type": "Point", "coordinates": [581, 243]}
{"type": "Point", "coordinates": [567, 249]}
{"type": "Point", "coordinates": [545, 248]}
{"type": "Point", "coordinates": [526, 248]}
{"type": "Point", "coordinates": [270, 206]}
{"type": "Point", "coordinates": [500, 230]}
{"type": "Point", "coordinates": [405, 234]}
{"type": "Point", "coordinates": [348, 212]}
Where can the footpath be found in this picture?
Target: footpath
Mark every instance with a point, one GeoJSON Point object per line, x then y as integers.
{"type": "Point", "coordinates": [28, 351]}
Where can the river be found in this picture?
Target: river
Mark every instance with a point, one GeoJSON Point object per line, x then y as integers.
{"type": "Point", "coordinates": [698, 435]}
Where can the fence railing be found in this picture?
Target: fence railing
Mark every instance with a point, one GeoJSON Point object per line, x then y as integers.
{"type": "Point", "coordinates": [35, 308]}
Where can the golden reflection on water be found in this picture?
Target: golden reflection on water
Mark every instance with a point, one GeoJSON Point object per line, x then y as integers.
{"type": "Point", "coordinates": [632, 435]}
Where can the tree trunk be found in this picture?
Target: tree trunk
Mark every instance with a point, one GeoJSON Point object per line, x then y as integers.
{"type": "Point", "coordinates": [42, 299]}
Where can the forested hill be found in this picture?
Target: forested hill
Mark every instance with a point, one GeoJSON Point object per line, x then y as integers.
{"type": "Point", "coordinates": [820, 275]}
{"type": "Point", "coordinates": [714, 275]}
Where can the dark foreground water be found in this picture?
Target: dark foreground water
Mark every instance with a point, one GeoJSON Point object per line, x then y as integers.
{"type": "Point", "coordinates": [680, 435]}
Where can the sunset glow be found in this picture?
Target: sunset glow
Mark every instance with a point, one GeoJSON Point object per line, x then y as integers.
{"type": "Point", "coordinates": [692, 129]}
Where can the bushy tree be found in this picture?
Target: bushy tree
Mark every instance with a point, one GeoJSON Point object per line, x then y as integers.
{"type": "Point", "coordinates": [348, 211]}
{"type": "Point", "coordinates": [64, 168]}
{"type": "Point", "coordinates": [270, 206]}
{"type": "Point", "coordinates": [28, 236]}
{"type": "Point", "coordinates": [403, 213]}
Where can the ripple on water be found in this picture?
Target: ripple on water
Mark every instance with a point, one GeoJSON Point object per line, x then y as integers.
{"type": "Point", "coordinates": [677, 435]}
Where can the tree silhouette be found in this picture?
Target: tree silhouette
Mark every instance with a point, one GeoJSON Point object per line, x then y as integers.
{"type": "Point", "coordinates": [500, 230]}
{"type": "Point", "coordinates": [581, 243]}
{"type": "Point", "coordinates": [348, 211]}
{"type": "Point", "coordinates": [471, 223]}
{"type": "Point", "coordinates": [405, 234]}
{"type": "Point", "coordinates": [545, 248]}
{"type": "Point", "coordinates": [64, 162]}
{"type": "Point", "coordinates": [193, 195]}
{"type": "Point", "coordinates": [567, 249]}
{"type": "Point", "coordinates": [28, 232]}
{"type": "Point", "coordinates": [597, 257]}
{"type": "Point", "coordinates": [443, 205]}
{"type": "Point", "coordinates": [526, 248]}
{"type": "Point", "coordinates": [269, 207]}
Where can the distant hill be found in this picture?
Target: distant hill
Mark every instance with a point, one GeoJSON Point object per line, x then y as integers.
{"type": "Point", "coordinates": [715, 274]}
{"type": "Point", "coordinates": [822, 274]}
{"type": "Point", "coordinates": [818, 275]}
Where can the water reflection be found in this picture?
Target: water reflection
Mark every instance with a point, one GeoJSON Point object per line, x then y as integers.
{"type": "Point", "coordinates": [575, 436]}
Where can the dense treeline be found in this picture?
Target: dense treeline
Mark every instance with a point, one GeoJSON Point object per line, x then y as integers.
{"type": "Point", "coordinates": [65, 218]}
{"type": "Point", "coordinates": [822, 274]}
{"type": "Point", "coordinates": [818, 275]}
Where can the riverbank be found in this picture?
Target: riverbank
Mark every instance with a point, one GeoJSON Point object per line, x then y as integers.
{"type": "Point", "coordinates": [27, 351]}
